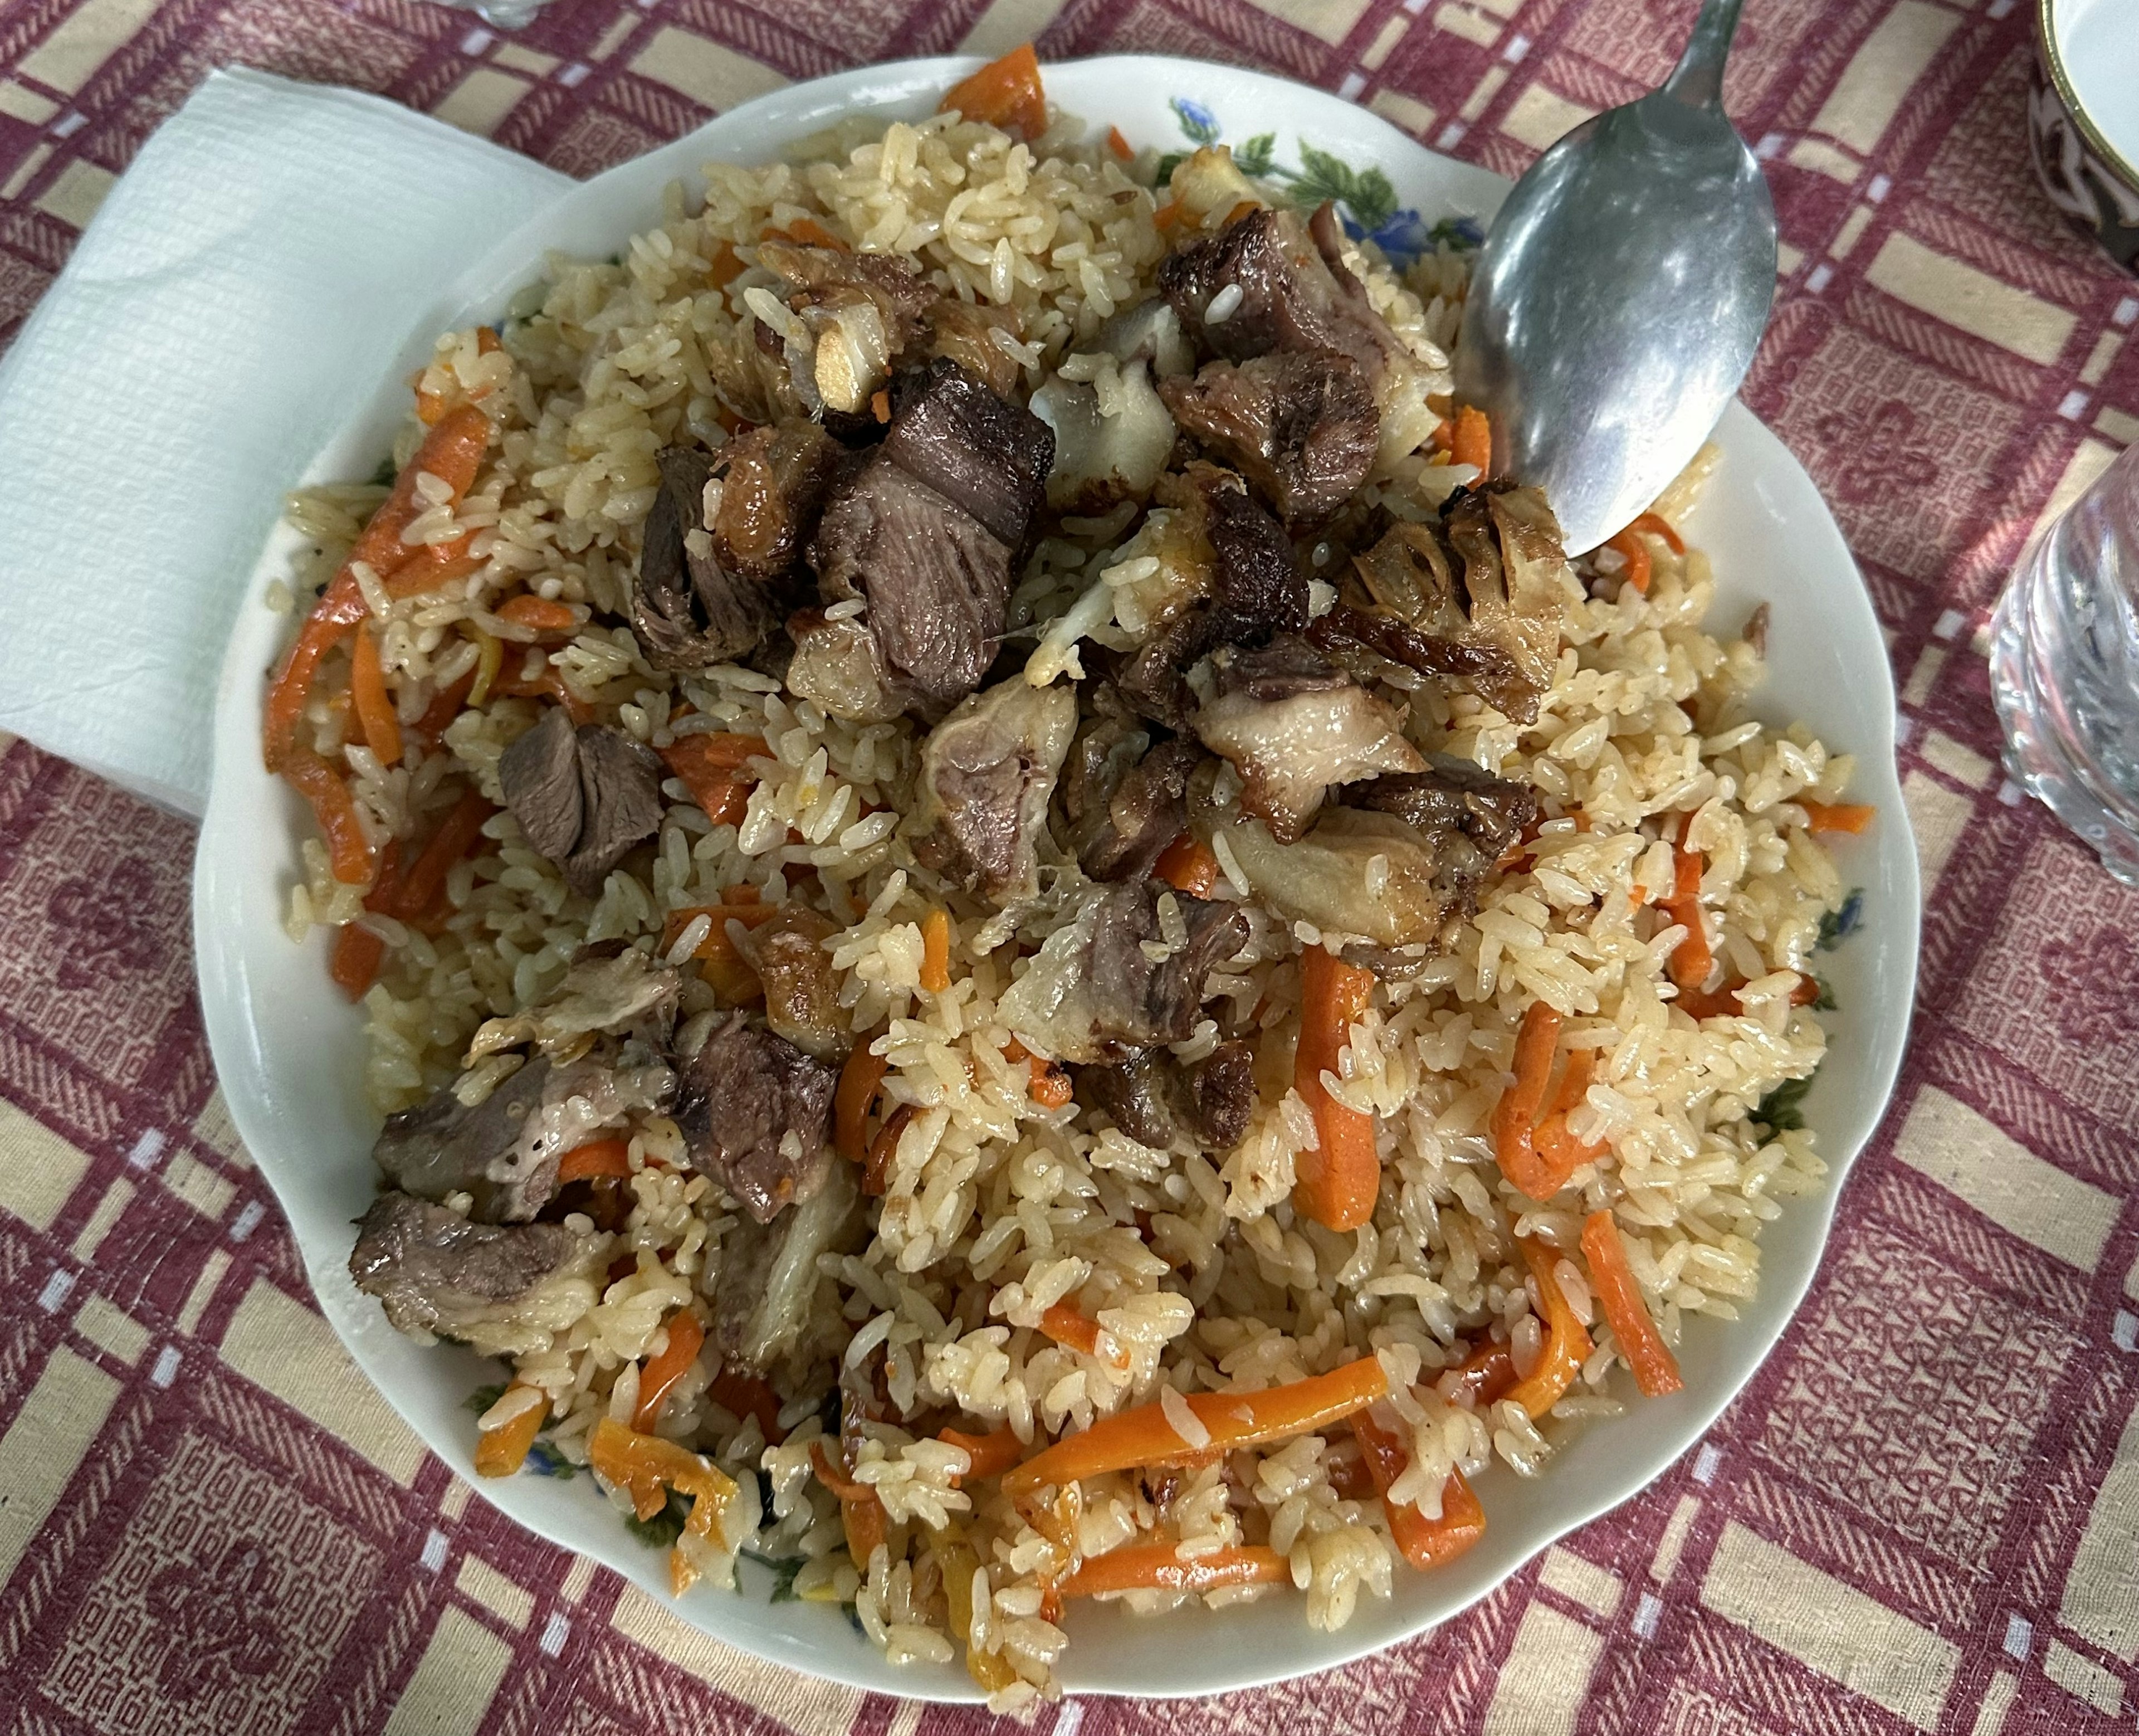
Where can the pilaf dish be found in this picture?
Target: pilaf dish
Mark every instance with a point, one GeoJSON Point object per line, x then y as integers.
{"type": "Point", "coordinates": [1020, 939]}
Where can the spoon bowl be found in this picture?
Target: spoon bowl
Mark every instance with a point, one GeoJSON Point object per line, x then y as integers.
{"type": "Point", "coordinates": [1620, 294]}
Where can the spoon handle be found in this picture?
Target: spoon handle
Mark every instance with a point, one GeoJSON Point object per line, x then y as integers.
{"type": "Point", "coordinates": [1697, 80]}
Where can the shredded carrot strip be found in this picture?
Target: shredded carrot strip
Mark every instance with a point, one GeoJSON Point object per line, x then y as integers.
{"type": "Point", "coordinates": [748, 1396]}
{"type": "Point", "coordinates": [936, 951]}
{"type": "Point", "coordinates": [1846, 816]}
{"type": "Point", "coordinates": [443, 709]}
{"type": "Point", "coordinates": [1485, 1378]}
{"type": "Point", "coordinates": [1693, 958]}
{"type": "Point", "coordinates": [1635, 553]}
{"type": "Point", "coordinates": [1426, 1544]}
{"type": "Point", "coordinates": [1159, 1566]}
{"type": "Point", "coordinates": [1340, 1179]}
{"type": "Point", "coordinates": [880, 405]}
{"type": "Point", "coordinates": [1144, 1436]}
{"type": "Point", "coordinates": [354, 964]}
{"type": "Point", "coordinates": [349, 852]}
{"type": "Point", "coordinates": [724, 969]}
{"type": "Point", "coordinates": [597, 1157]}
{"type": "Point", "coordinates": [1005, 93]}
{"type": "Point", "coordinates": [725, 265]}
{"type": "Point", "coordinates": [436, 564]}
{"type": "Point", "coordinates": [425, 885]}
{"type": "Point", "coordinates": [809, 233]}
{"type": "Point", "coordinates": [1522, 1105]}
{"type": "Point", "coordinates": [501, 1451]}
{"type": "Point", "coordinates": [1070, 1329]}
{"type": "Point", "coordinates": [858, 1080]}
{"type": "Point", "coordinates": [1166, 216]}
{"type": "Point", "coordinates": [713, 767]}
{"type": "Point", "coordinates": [991, 1454]}
{"type": "Point", "coordinates": [1567, 1343]}
{"type": "Point", "coordinates": [1658, 526]}
{"type": "Point", "coordinates": [860, 1509]}
{"type": "Point", "coordinates": [544, 615]}
{"type": "Point", "coordinates": [1051, 1085]}
{"type": "Point", "coordinates": [1656, 1369]}
{"type": "Point", "coordinates": [373, 704]}
{"type": "Point", "coordinates": [659, 1374]}
{"type": "Point", "coordinates": [1471, 442]}
{"type": "Point", "coordinates": [883, 1148]}
{"type": "Point", "coordinates": [627, 1458]}
{"type": "Point", "coordinates": [1188, 865]}
{"type": "Point", "coordinates": [1118, 146]}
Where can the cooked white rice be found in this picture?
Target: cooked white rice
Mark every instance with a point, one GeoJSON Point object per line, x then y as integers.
{"type": "Point", "coordinates": [1199, 1274]}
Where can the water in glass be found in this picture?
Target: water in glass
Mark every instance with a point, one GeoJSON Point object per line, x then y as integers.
{"type": "Point", "coordinates": [2064, 668]}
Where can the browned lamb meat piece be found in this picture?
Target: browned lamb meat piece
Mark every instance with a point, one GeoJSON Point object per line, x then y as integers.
{"type": "Point", "coordinates": [756, 1113]}
{"type": "Point", "coordinates": [583, 797]}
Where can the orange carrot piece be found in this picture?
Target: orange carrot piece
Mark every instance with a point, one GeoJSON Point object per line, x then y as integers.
{"type": "Point", "coordinates": [659, 1374]}
{"type": "Point", "coordinates": [1693, 958]}
{"type": "Point", "coordinates": [349, 852]}
{"type": "Point", "coordinates": [455, 837]}
{"type": "Point", "coordinates": [1144, 1435]}
{"type": "Point", "coordinates": [1245, 208]}
{"type": "Point", "coordinates": [375, 705]}
{"type": "Point", "coordinates": [851, 1102]}
{"type": "Point", "coordinates": [1656, 1369]}
{"type": "Point", "coordinates": [1166, 216]}
{"type": "Point", "coordinates": [1005, 93]}
{"type": "Point", "coordinates": [713, 768]}
{"type": "Point", "coordinates": [544, 615]}
{"type": "Point", "coordinates": [1845, 816]}
{"type": "Point", "coordinates": [597, 1157]}
{"type": "Point", "coordinates": [501, 1451]}
{"type": "Point", "coordinates": [1522, 1105]}
{"type": "Point", "coordinates": [444, 708]}
{"type": "Point", "coordinates": [1635, 553]}
{"type": "Point", "coordinates": [1567, 1343]}
{"type": "Point", "coordinates": [430, 567]}
{"type": "Point", "coordinates": [1118, 146]}
{"type": "Point", "coordinates": [354, 964]}
{"type": "Point", "coordinates": [725, 265]}
{"type": "Point", "coordinates": [1070, 1329]}
{"type": "Point", "coordinates": [936, 951]}
{"type": "Point", "coordinates": [734, 983]}
{"type": "Point", "coordinates": [1485, 1379]}
{"type": "Point", "coordinates": [880, 405]}
{"type": "Point", "coordinates": [809, 233]}
{"type": "Point", "coordinates": [1340, 1179]}
{"type": "Point", "coordinates": [1656, 525]}
{"type": "Point", "coordinates": [1188, 865]}
{"type": "Point", "coordinates": [883, 1148]}
{"type": "Point", "coordinates": [1426, 1544]}
{"type": "Point", "coordinates": [748, 1396]}
{"type": "Point", "coordinates": [860, 1509]}
{"type": "Point", "coordinates": [1471, 442]}
{"type": "Point", "coordinates": [1159, 1568]}
{"type": "Point", "coordinates": [991, 1454]}
{"type": "Point", "coordinates": [629, 1460]}
{"type": "Point", "coordinates": [1051, 1085]}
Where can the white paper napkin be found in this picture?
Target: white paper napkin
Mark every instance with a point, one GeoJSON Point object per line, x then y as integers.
{"type": "Point", "coordinates": [242, 287]}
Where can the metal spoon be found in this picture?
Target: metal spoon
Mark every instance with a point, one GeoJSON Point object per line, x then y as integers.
{"type": "Point", "coordinates": [1620, 294]}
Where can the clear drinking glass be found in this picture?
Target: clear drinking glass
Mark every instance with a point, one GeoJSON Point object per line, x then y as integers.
{"type": "Point", "coordinates": [2064, 668]}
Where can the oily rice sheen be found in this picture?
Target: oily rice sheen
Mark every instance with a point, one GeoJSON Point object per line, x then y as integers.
{"type": "Point", "coordinates": [999, 1202]}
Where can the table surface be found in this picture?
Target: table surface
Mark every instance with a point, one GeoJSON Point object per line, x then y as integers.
{"type": "Point", "coordinates": [1923, 1515]}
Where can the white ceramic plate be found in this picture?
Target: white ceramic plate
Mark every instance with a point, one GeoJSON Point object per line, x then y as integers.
{"type": "Point", "coordinates": [288, 1048]}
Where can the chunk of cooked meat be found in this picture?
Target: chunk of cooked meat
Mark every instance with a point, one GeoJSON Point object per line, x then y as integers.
{"type": "Point", "coordinates": [1101, 458]}
{"type": "Point", "coordinates": [768, 1275]}
{"type": "Point", "coordinates": [1154, 679]}
{"type": "Point", "coordinates": [583, 798]}
{"type": "Point", "coordinates": [801, 989]}
{"type": "Point", "coordinates": [1292, 725]}
{"type": "Point", "coordinates": [1364, 872]}
{"type": "Point", "coordinates": [1132, 1092]}
{"type": "Point", "coordinates": [772, 486]}
{"type": "Point", "coordinates": [688, 611]}
{"type": "Point", "coordinates": [1138, 998]}
{"type": "Point", "coordinates": [987, 774]}
{"type": "Point", "coordinates": [937, 581]}
{"type": "Point", "coordinates": [1107, 744]}
{"type": "Point", "coordinates": [1455, 796]}
{"type": "Point", "coordinates": [987, 456]}
{"type": "Point", "coordinates": [756, 1113]}
{"type": "Point", "coordinates": [1289, 297]}
{"type": "Point", "coordinates": [1222, 1096]}
{"type": "Point", "coordinates": [1256, 586]}
{"type": "Point", "coordinates": [1301, 426]}
{"type": "Point", "coordinates": [607, 986]}
{"type": "Point", "coordinates": [1146, 812]}
{"type": "Point", "coordinates": [434, 1272]}
{"type": "Point", "coordinates": [1481, 596]}
{"type": "Point", "coordinates": [503, 1152]}
{"type": "Point", "coordinates": [1111, 978]}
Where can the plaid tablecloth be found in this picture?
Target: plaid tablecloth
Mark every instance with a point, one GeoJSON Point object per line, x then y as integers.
{"type": "Point", "coordinates": [1924, 1515]}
